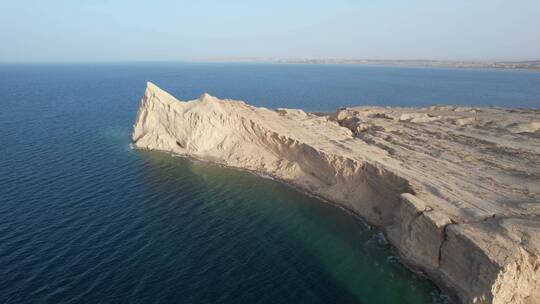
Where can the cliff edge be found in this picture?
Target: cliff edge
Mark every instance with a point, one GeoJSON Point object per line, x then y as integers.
{"type": "Point", "coordinates": [455, 189]}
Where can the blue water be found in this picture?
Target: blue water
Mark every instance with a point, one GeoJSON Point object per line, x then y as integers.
{"type": "Point", "coordinates": [86, 219]}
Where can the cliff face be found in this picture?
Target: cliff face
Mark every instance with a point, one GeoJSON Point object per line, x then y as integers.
{"type": "Point", "coordinates": [456, 190]}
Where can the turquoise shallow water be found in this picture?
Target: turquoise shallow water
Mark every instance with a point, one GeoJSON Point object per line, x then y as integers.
{"type": "Point", "coordinates": [86, 219]}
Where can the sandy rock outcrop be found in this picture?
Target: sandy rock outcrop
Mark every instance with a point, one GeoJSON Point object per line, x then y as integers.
{"type": "Point", "coordinates": [456, 190]}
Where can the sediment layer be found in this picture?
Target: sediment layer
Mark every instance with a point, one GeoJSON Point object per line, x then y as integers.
{"type": "Point", "coordinates": [455, 189]}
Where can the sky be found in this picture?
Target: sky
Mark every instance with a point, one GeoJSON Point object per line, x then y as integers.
{"type": "Point", "coordinates": [166, 30]}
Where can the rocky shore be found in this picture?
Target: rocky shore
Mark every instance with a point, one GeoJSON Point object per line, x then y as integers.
{"type": "Point", "coordinates": [456, 190]}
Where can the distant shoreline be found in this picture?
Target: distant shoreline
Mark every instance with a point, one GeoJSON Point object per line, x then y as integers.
{"type": "Point", "coordinates": [528, 65]}
{"type": "Point", "coordinates": [531, 65]}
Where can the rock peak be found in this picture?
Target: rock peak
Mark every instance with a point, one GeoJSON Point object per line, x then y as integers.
{"type": "Point", "coordinates": [153, 93]}
{"type": "Point", "coordinates": [150, 86]}
{"type": "Point", "coordinates": [207, 97]}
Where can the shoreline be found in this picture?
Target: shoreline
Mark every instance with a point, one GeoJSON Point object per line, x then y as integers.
{"type": "Point", "coordinates": [525, 65]}
{"type": "Point", "coordinates": [446, 291]}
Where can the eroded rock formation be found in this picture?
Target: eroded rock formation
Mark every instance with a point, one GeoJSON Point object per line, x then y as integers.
{"type": "Point", "coordinates": [456, 190]}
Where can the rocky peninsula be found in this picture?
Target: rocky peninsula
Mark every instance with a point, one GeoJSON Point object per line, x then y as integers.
{"type": "Point", "coordinates": [456, 190]}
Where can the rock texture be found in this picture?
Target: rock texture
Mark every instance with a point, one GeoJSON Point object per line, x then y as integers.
{"type": "Point", "coordinates": [456, 190]}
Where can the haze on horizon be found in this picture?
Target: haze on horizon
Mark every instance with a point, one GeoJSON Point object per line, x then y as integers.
{"type": "Point", "coordinates": [122, 30]}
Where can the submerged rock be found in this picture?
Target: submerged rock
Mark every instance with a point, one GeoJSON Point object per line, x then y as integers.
{"type": "Point", "coordinates": [456, 192]}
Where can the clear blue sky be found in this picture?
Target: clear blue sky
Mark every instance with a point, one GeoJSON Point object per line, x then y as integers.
{"type": "Point", "coordinates": [100, 30]}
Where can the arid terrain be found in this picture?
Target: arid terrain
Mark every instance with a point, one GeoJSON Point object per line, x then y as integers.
{"type": "Point", "coordinates": [455, 189]}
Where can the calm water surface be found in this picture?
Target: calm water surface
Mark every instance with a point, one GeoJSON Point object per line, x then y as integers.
{"type": "Point", "coordinates": [86, 219]}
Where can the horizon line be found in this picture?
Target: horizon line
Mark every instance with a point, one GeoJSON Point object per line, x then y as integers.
{"type": "Point", "coordinates": [263, 59]}
{"type": "Point", "coordinates": [521, 65]}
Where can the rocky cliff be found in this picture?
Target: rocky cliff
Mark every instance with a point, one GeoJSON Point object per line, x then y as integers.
{"type": "Point", "coordinates": [456, 190]}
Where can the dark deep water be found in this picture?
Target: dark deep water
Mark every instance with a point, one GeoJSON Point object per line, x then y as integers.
{"type": "Point", "coordinates": [86, 219]}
